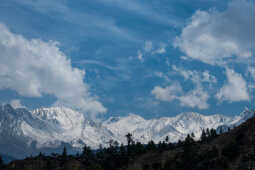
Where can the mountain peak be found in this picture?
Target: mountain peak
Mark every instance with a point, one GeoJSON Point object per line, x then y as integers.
{"type": "Point", "coordinates": [63, 117]}
{"type": "Point", "coordinates": [135, 116]}
{"type": "Point", "coordinates": [52, 112]}
{"type": "Point", "coordinates": [8, 109]}
{"type": "Point", "coordinates": [112, 120]}
{"type": "Point", "coordinates": [54, 109]}
{"type": "Point", "coordinates": [246, 114]}
{"type": "Point", "coordinates": [189, 115]}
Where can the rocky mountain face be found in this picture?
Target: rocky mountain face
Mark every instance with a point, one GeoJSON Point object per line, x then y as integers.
{"type": "Point", "coordinates": [24, 132]}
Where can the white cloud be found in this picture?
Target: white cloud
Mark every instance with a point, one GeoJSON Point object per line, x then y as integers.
{"type": "Point", "coordinates": [195, 98]}
{"type": "Point", "coordinates": [168, 93]}
{"type": "Point", "coordinates": [140, 56]}
{"type": "Point", "coordinates": [161, 49]}
{"type": "Point", "coordinates": [235, 89]}
{"type": "Point", "coordinates": [251, 71]}
{"type": "Point", "coordinates": [148, 46]}
{"type": "Point", "coordinates": [196, 77]}
{"type": "Point", "coordinates": [34, 68]}
{"type": "Point", "coordinates": [149, 49]}
{"type": "Point", "coordinates": [214, 37]}
{"type": "Point", "coordinates": [153, 49]}
{"type": "Point", "coordinates": [162, 75]}
{"type": "Point", "coordinates": [17, 104]}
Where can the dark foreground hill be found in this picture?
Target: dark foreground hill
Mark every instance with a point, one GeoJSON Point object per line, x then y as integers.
{"type": "Point", "coordinates": [232, 150]}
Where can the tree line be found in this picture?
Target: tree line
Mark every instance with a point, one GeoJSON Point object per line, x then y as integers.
{"type": "Point", "coordinates": [118, 155]}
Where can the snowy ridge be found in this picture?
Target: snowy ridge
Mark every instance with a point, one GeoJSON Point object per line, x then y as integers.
{"type": "Point", "coordinates": [67, 126]}
{"type": "Point", "coordinates": [49, 127]}
{"type": "Point", "coordinates": [176, 128]}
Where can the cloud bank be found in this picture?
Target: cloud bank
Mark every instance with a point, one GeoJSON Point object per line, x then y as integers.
{"type": "Point", "coordinates": [34, 68]}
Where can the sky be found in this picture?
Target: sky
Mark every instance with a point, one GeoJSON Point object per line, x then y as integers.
{"type": "Point", "coordinates": [115, 57]}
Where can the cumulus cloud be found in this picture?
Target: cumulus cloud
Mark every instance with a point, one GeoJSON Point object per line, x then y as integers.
{"type": "Point", "coordinates": [148, 46]}
{"type": "Point", "coordinates": [215, 37]}
{"type": "Point", "coordinates": [140, 56]}
{"type": "Point", "coordinates": [194, 98]}
{"type": "Point", "coordinates": [251, 72]}
{"type": "Point", "coordinates": [15, 103]}
{"type": "Point", "coordinates": [235, 89]}
{"type": "Point", "coordinates": [161, 49]}
{"type": "Point", "coordinates": [150, 49]}
{"type": "Point", "coordinates": [162, 76]}
{"type": "Point", "coordinates": [196, 77]}
{"type": "Point", "coordinates": [34, 68]}
{"type": "Point", "coordinates": [168, 93]}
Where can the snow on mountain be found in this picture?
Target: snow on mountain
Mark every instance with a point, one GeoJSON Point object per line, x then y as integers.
{"type": "Point", "coordinates": [10, 122]}
{"type": "Point", "coordinates": [66, 125]}
{"type": "Point", "coordinates": [242, 117]}
{"type": "Point", "coordinates": [53, 125]}
{"type": "Point", "coordinates": [50, 127]}
{"type": "Point", "coordinates": [122, 126]}
{"type": "Point", "coordinates": [176, 128]}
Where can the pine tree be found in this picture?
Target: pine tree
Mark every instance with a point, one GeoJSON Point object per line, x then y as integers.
{"type": "Point", "coordinates": [203, 137]}
{"type": "Point", "coordinates": [207, 133]}
{"type": "Point", "coordinates": [86, 151]}
{"type": "Point", "coordinates": [192, 135]}
{"type": "Point", "coordinates": [64, 153]}
{"type": "Point", "coordinates": [40, 154]}
{"type": "Point", "coordinates": [189, 140]}
{"type": "Point", "coordinates": [213, 133]}
{"type": "Point", "coordinates": [116, 144]}
{"type": "Point", "coordinates": [129, 139]}
{"type": "Point", "coordinates": [151, 146]}
{"type": "Point", "coordinates": [1, 163]}
{"type": "Point", "coordinates": [167, 139]}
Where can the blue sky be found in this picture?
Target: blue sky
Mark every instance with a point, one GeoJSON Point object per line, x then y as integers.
{"type": "Point", "coordinates": [114, 57]}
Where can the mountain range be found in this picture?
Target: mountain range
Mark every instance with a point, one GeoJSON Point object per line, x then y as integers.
{"type": "Point", "coordinates": [24, 132]}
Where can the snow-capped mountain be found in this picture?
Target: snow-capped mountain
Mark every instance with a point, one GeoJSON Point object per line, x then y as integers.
{"type": "Point", "coordinates": [31, 131]}
{"type": "Point", "coordinates": [47, 129]}
{"type": "Point", "coordinates": [176, 128]}
{"type": "Point", "coordinates": [66, 125]}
